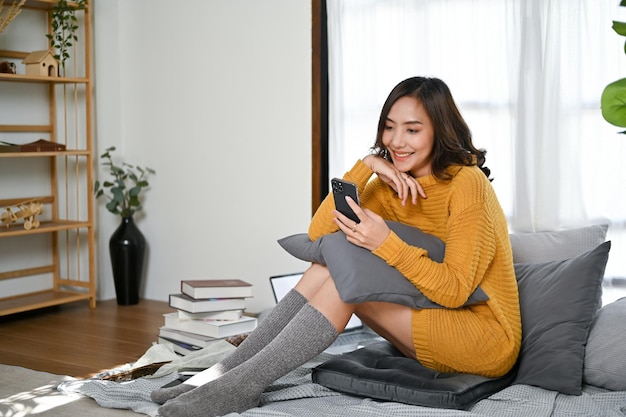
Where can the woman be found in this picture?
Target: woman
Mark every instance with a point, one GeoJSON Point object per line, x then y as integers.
{"type": "Point", "coordinates": [428, 175]}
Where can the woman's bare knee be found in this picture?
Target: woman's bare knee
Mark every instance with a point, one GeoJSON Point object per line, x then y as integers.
{"type": "Point", "coordinates": [329, 303]}
{"type": "Point", "coordinates": [312, 280]}
{"type": "Point", "coordinates": [391, 321]}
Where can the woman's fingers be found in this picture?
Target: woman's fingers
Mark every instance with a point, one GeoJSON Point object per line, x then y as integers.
{"type": "Point", "coordinates": [414, 188]}
{"type": "Point", "coordinates": [369, 233]}
{"type": "Point", "coordinates": [356, 208]}
{"type": "Point", "coordinates": [409, 187]}
{"type": "Point", "coordinates": [403, 184]}
{"type": "Point", "coordinates": [343, 221]}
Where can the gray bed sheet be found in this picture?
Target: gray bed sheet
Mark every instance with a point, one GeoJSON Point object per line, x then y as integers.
{"type": "Point", "coordinates": [295, 395]}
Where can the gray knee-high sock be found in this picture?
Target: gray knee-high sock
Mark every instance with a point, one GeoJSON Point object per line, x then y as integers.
{"type": "Point", "coordinates": [275, 321]}
{"type": "Point", "coordinates": [307, 335]}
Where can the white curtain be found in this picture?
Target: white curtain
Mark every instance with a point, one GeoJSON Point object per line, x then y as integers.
{"type": "Point", "coordinates": [527, 76]}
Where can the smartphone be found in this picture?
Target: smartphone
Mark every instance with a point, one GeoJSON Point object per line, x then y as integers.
{"type": "Point", "coordinates": [341, 189]}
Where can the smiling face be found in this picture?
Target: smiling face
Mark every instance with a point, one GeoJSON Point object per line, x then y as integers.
{"type": "Point", "coordinates": [409, 136]}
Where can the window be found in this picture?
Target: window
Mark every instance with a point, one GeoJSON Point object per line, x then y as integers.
{"type": "Point", "coordinates": [527, 76]}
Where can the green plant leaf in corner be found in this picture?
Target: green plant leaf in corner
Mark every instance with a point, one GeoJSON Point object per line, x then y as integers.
{"type": "Point", "coordinates": [613, 103]}
{"type": "Point", "coordinates": [619, 27]}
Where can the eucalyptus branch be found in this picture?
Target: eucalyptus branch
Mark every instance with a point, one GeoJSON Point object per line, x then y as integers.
{"type": "Point", "coordinates": [124, 190]}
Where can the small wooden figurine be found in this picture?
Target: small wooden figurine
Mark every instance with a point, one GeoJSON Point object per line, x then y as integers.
{"type": "Point", "coordinates": [27, 210]}
{"type": "Point", "coordinates": [7, 67]}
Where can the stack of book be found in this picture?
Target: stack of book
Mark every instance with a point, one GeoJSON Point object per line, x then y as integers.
{"type": "Point", "coordinates": [207, 311]}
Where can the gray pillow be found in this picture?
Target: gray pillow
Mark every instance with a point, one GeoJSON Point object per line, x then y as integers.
{"type": "Point", "coordinates": [605, 355]}
{"type": "Point", "coordinates": [357, 272]}
{"type": "Point", "coordinates": [556, 245]}
{"type": "Point", "coordinates": [558, 301]}
{"type": "Point", "coordinates": [300, 246]}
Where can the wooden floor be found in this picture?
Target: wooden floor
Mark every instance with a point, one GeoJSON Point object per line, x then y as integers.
{"type": "Point", "coordinates": [74, 340]}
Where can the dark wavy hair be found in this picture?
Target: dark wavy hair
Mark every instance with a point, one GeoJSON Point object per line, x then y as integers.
{"type": "Point", "coordinates": [453, 138]}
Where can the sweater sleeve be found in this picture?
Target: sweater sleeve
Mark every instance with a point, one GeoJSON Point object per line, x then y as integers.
{"type": "Point", "coordinates": [470, 247]}
{"type": "Point", "coordinates": [322, 222]}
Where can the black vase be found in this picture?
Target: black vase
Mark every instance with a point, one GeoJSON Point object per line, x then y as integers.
{"type": "Point", "coordinates": [127, 248]}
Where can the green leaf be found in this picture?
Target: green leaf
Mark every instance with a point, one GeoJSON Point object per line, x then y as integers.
{"type": "Point", "coordinates": [613, 103]}
{"type": "Point", "coordinates": [117, 170]}
{"type": "Point", "coordinates": [619, 27]}
{"type": "Point", "coordinates": [118, 194]}
{"type": "Point", "coordinates": [112, 207]}
{"type": "Point", "coordinates": [134, 192]}
{"type": "Point", "coordinates": [133, 202]}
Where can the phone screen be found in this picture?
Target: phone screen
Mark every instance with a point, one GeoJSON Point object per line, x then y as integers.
{"type": "Point", "coordinates": [341, 189]}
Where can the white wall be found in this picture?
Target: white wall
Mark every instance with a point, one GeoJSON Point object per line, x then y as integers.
{"type": "Point", "coordinates": [216, 97]}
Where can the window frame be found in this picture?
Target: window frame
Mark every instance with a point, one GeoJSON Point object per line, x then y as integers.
{"type": "Point", "coordinates": [319, 116]}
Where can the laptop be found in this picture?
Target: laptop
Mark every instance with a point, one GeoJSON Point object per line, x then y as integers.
{"type": "Point", "coordinates": [355, 335]}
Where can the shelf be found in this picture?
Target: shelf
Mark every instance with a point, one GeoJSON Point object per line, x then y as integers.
{"type": "Point", "coordinates": [27, 128]}
{"type": "Point", "coordinates": [46, 269]}
{"type": "Point", "coordinates": [17, 229]}
{"type": "Point", "coordinates": [49, 298]}
{"type": "Point", "coordinates": [37, 4]}
{"type": "Point", "coordinates": [20, 78]}
{"type": "Point", "coordinates": [15, 201]}
{"type": "Point", "coordinates": [42, 154]}
{"type": "Point", "coordinates": [65, 239]}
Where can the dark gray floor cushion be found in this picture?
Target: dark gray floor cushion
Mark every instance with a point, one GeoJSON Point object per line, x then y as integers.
{"type": "Point", "coordinates": [381, 372]}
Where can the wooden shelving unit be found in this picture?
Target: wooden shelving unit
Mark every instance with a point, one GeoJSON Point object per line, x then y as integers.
{"type": "Point", "coordinates": [66, 230]}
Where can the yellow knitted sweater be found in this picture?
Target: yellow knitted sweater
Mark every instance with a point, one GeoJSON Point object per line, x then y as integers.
{"type": "Point", "coordinates": [465, 213]}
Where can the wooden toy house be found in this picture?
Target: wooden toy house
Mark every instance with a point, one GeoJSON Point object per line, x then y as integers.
{"type": "Point", "coordinates": [41, 63]}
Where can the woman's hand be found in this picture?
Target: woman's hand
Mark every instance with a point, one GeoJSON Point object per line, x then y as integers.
{"type": "Point", "coordinates": [369, 233]}
{"type": "Point", "coordinates": [402, 183]}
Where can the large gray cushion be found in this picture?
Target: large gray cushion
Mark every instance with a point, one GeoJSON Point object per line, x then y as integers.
{"type": "Point", "coordinates": [362, 276]}
{"type": "Point", "coordinates": [558, 301]}
{"type": "Point", "coordinates": [556, 245]}
{"type": "Point", "coordinates": [605, 355]}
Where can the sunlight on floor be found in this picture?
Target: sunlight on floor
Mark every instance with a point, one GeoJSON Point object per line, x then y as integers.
{"type": "Point", "coordinates": [35, 402]}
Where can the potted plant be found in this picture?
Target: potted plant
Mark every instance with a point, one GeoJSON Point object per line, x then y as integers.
{"type": "Point", "coordinates": [613, 101]}
{"type": "Point", "coordinates": [127, 244]}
